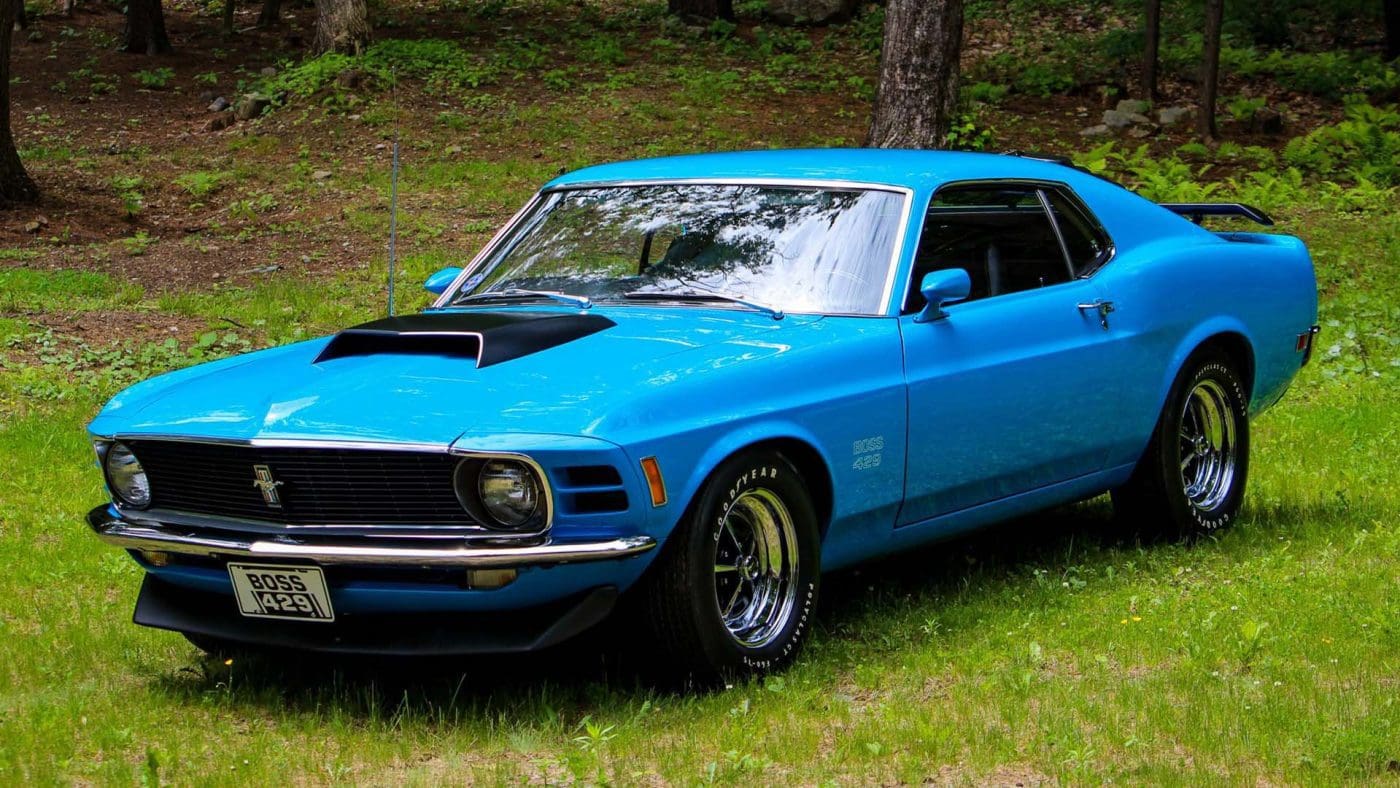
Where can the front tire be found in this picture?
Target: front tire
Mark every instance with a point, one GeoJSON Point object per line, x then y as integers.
{"type": "Point", "coordinates": [735, 587]}
{"type": "Point", "coordinates": [1191, 480]}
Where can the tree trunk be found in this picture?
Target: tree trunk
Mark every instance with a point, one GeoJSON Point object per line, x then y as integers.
{"type": "Point", "coordinates": [271, 14]}
{"type": "Point", "coordinates": [701, 10]}
{"type": "Point", "coordinates": [1153, 35]}
{"type": "Point", "coordinates": [21, 21]}
{"type": "Point", "coordinates": [228, 17]}
{"type": "Point", "coordinates": [1392, 29]}
{"type": "Point", "coordinates": [145, 28]}
{"type": "Point", "coordinates": [15, 184]}
{"type": "Point", "coordinates": [1210, 69]}
{"type": "Point", "coordinates": [341, 26]}
{"type": "Point", "coordinates": [917, 95]}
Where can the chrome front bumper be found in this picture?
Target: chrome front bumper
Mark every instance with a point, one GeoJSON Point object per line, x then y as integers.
{"type": "Point", "coordinates": [158, 537]}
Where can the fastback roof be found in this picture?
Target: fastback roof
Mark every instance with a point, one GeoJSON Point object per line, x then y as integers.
{"type": "Point", "coordinates": [910, 168]}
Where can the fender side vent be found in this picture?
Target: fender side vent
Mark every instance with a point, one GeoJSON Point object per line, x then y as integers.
{"type": "Point", "coordinates": [596, 502]}
{"type": "Point", "coordinates": [593, 476]}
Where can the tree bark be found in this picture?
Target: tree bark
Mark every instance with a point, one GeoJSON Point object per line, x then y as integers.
{"type": "Point", "coordinates": [701, 10]}
{"type": "Point", "coordinates": [145, 28]}
{"type": "Point", "coordinates": [1153, 35]}
{"type": "Point", "coordinates": [1392, 29]}
{"type": "Point", "coordinates": [1210, 69]}
{"type": "Point", "coordinates": [271, 14]}
{"type": "Point", "coordinates": [21, 21]}
{"type": "Point", "coordinates": [341, 26]}
{"type": "Point", "coordinates": [15, 184]}
{"type": "Point", "coordinates": [917, 95]}
{"type": "Point", "coordinates": [228, 17]}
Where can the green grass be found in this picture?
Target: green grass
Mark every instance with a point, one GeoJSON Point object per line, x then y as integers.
{"type": "Point", "coordinates": [1047, 648]}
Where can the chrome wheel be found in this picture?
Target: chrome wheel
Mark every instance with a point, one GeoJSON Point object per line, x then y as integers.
{"type": "Point", "coordinates": [1208, 447]}
{"type": "Point", "coordinates": [756, 557]}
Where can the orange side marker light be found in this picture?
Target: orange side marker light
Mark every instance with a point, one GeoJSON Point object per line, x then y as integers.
{"type": "Point", "coordinates": [655, 483]}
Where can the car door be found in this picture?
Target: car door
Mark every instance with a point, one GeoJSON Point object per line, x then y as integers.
{"type": "Point", "coordinates": [1004, 391]}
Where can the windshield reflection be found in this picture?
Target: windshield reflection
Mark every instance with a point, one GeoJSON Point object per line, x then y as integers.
{"type": "Point", "coordinates": [799, 249]}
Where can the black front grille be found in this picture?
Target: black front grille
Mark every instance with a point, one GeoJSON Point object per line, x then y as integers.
{"type": "Point", "coordinates": [319, 486]}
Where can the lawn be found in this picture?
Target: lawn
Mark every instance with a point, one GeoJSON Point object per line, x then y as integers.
{"type": "Point", "coordinates": [1052, 649]}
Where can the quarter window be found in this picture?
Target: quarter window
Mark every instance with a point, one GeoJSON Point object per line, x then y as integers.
{"type": "Point", "coordinates": [1084, 241]}
{"type": "Point", "coordinates": [1001, 235]}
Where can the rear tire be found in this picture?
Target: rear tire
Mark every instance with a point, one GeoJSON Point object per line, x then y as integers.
{"type": "Point", "coordinates": [1191, 480]}
{"type": "Point", "coordinates": [735, 587]}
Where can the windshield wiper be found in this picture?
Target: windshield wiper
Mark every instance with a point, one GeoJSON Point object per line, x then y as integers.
{"type": "Point", "coordinates": [582, 302]}
{"type": "Point", "coordinates": [705, 295]}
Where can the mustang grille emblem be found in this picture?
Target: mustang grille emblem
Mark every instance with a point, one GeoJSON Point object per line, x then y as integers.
{"type": "Point", "coordinates": [262, 479]}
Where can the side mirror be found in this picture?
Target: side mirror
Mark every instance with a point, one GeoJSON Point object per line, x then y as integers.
{"type": "Point", "coordinates": [939, 288]}
{"type": "Point", "coordinates": [439, 282]}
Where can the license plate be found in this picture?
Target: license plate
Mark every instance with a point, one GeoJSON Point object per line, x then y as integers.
{"type": "Point", "coordinates": [273, 591]}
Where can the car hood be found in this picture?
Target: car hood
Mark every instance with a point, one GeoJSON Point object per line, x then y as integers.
{"type": "Point", "coordinates": [319, 390]}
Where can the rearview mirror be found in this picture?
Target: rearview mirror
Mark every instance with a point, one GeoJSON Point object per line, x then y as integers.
{"type": "Point", "coordinates": [439, 282]}
{"type": "Point", "coordinates": [939, 288]}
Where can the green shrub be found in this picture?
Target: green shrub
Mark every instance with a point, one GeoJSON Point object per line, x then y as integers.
{"type": "Point", "coordinates": [1365, 146]}
{"type": "Point", "coordinates": [155, 79]}
{"type": "Point", "coordinates": [964, 133]}
{"type": "Point", "coordinates": [985, 92]}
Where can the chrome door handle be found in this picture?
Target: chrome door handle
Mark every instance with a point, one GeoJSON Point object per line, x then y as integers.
{"type": "Point", "coordinates": [1102, 307]}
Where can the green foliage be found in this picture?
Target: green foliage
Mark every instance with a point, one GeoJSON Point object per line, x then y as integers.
{"type": "Point", "coordinates": [985, 93]}
{"type": "Point", "coordinates": [1035, 67]}
{"type": "Point", "coordinates": [1244, 108]}
{"type": "Point", "coordinates": [1330, 74]}
{"type": "Point", "coordinates": [965, 133]}
{"type": "Point", "coordinates": [137, 244]}
{"type": "Point", "coordinates": [443, 65]}
{"type": "Point", "coordinates": [128, 188]}
{"type": "Point", "coordinates": [1364, 147]}
{"type": "Point", "coordinates": [1325, 74]}
{"type": "Point", "coordinates": [603, 49]}
{"type": "Point", "coordinates": [154, 79]}
{"type": "Point", "coordinates": [200, 184]}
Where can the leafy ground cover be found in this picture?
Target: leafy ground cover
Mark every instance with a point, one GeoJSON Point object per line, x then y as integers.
{"type": "Point", "coordinates": [1048, 650]}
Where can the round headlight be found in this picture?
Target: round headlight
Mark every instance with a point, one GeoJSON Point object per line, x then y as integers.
{"type": "Point", "coordinates": [126, 478]}
{"type": "Point", "coordinates": [509, 492]}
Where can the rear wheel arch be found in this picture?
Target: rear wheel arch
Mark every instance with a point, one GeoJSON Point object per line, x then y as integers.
{"type": "Point", "coordinates": [1227, 338]}
{"type": "Point", "coordinates": [1234, 346]}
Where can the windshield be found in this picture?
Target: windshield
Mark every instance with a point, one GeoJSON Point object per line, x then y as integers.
{"type": "Point", "coordinates": [798, 249]}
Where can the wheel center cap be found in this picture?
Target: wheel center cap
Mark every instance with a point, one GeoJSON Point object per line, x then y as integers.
{"type": "Point", "coordinates": [748, 567]}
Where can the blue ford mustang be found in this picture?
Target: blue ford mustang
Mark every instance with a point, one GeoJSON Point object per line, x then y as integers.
{"type": "Point", "coordinates": [697, 383]}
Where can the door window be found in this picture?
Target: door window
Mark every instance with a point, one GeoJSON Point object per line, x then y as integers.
{"type": "Point", "coordinates": [1000, 234]}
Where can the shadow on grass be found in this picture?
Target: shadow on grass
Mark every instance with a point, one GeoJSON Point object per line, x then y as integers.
{"type": "Point", "coordinates": [609, 667]}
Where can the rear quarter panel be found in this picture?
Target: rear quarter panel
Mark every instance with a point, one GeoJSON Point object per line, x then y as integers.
{"type": "Point", "coordinates": [1174, 293]}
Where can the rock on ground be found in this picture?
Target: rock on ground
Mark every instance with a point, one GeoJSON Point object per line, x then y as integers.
{"type": "Point", "coordinates": [251, 106]}
{"type": "Point", "coordinates": [1133, 107]}
{"type": "Point", "coordinates": [1170, 116]}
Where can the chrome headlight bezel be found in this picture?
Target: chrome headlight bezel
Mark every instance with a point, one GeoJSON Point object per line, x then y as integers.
{"type": "Point", "coordinates": [125, 477]}
{"type": "Point", "coordinates": [475, 473]}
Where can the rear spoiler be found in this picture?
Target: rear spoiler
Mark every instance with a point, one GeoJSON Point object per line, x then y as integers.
{"type": "Point", "coordinates": [1196, 211]}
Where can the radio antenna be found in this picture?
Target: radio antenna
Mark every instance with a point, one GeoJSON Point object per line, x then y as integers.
{"type": "Point", "coordinates": [394, 189]}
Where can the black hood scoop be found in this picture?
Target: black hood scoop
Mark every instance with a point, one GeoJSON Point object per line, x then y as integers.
{"type": "Point", "coordinates": [487, 337]}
